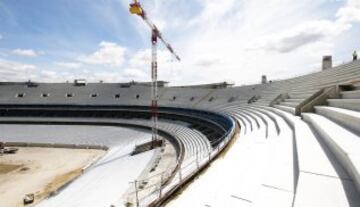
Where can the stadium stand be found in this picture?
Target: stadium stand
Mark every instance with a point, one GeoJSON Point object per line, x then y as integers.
{"type": "Point", "coordinates": [307, 128]}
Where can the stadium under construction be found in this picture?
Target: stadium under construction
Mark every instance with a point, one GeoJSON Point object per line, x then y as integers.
{"type": "Point", "coordinates": [291, 142]}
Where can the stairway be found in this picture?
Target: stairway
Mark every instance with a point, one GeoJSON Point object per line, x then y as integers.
{"type": "Point", "coordinates": [338, 126]}
{"type": "Point", "coordinates": [349, 99]}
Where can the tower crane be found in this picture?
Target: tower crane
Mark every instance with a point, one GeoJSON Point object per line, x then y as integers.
{"type": "Point", "coordinates": [136, 9]}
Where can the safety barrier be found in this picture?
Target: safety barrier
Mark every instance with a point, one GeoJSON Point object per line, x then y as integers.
{"type": "Point", "coordinates": [170, 181]}
{"type": "Point", "coordinates": [55, 145]}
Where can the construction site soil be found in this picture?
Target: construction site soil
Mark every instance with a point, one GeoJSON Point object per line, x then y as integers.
{"type": "Point", "coordinates": [40, 171]}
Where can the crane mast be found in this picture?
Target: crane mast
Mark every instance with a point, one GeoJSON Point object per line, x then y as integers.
{"type": "Point", "coordinates": [135, 8]}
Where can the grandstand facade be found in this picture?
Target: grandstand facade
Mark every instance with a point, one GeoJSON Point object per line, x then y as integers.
{"type": "Point", "coordinates": [309, 126]}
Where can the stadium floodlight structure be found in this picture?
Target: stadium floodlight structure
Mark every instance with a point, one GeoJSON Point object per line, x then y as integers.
{"type": "Point", "coordinates": [136, 8]}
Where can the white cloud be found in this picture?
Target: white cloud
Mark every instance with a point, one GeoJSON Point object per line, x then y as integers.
{"type": "Point", "coordinates": [15, 71]}
{"type": "Point", "coordinates": [139, 65]}
{"type": "Point", "coordinates": [350, 13]}
{"type": "Point", "coordinates": [141, 58]}
{"type": "Point", "coordinates": [70, 75]}
{"type": "Point", "coordinates": [26, 52]}
{"type": "Point", "coordinates": [306, 33]}
{"type": "Point", "coordinates": [109, 54]}
{"type": "Point", "coordinates": [135, 74]}
{"type": "Point", "coordinates": [71, 65]}
{"type": "Point", "coordinates": [220, 40]}
{"type": "Point", "coordinates": [207, 61]}
{"type": "Point", "coordinates": [241, 40]}
{"type": "Point", "coordinates": [311, 32]}
{"type": "Point", "coordinates": [50, 76]}
{"type": "Point", "coordinates": [214, 11]}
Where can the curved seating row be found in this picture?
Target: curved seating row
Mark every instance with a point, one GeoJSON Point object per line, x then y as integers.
{"type": "Point", "coordinates": [300, 167]}
{"type": "Point", "coordinates": [114, 94]}
{"type": "Point", "coordinates": [194, 141]}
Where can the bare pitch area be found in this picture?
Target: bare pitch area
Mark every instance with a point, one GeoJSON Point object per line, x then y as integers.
{"type": "Point", "coordinates": [40, 171]}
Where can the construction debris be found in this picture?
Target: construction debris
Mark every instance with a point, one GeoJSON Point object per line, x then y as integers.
{"type": "Point", "coordinates": [147, 146]}
{"type": "Point", "coordinates": [29, 198]}
{"type": "Point", "coordinates": [4, 150]}
{"type": "Point", "coordinates": [10, 150]}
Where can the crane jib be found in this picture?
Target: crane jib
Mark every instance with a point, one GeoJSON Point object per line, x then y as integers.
{"type": "Point", "coordinates": [135, 8]}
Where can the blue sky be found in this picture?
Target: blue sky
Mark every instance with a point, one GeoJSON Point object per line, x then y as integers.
{"type": "Point", "coordinates": [218, 40]}
{"type": "Point", "coordinates": [43, 24]}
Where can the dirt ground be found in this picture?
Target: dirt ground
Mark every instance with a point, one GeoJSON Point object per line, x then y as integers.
{"type": "Point", "coordinates": [40, 171]}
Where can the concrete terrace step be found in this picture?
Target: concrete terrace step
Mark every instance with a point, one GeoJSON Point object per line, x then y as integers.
{"type": "Point", "coordinates": [290, 104]}
{"type": "Point", "coordinates": [301, 95]}
{"type": "Point", "coordinates": [246, 127]}
{"type": "Point", "coordinates": [352, 104]}
{"type": "Point", "coordinates": [344, 144]}
{"type": "Point", "coordinates": [272, 116]}
{"type": "Point", "coordinates": [250, 120]}
{"type": "Point", "coordinates": [317, 167]}
{"type": "Point", "coordinates": [286, 108]}
{"type": "Point", "coordinates": [297, 100]}
{"type": "Point", "coordinates": [255, 119]}
{"type": "Point", "coordinates": [315, 190]}
{"type": "Point", "coordinates": [303, 91]}
{"type": "Point", "coordinates": [271, 125]}
{"type": "Point", "coordinates": [351, 94]}
{"type": "Point", "coordinates": [268, 123]}
{"type": "Point", "coordinates": [357, 85]}
{"type": "Point", "coordinates": [278, 188]}
{"type": "Point", "coordinates": [261, 119]}
{"type": "Point", "coordinates": [347, 118]}
{"type": "Point", "coordinates": [308, 148]}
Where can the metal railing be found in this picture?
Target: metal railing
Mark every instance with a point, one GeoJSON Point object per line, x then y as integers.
{"type": "Point", "coordinates": [153, 190]}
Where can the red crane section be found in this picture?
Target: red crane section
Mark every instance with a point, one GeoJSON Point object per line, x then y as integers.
{"type": "Point", "coordinates": [135, 8]}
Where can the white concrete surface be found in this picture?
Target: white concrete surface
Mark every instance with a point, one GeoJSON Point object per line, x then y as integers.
{"type": "Point", "coordinates": [286, 108]}
{"type": "Point", "coordinates": [352, 104]}
{"type": "Point", "coordinates": [256, 170]}
{"type": "Point", "coordinates": [320, 174]}
{"type": "Point", "coordinates": [345, 117]}
{"type": "Point", "coordinates": [72, 134]}
{"type": "Point", "coordinates": [351, 94]}
{"type": "Point", "coordinates": [343, 143]}
{"type": "Point", "coordinates": [104, 182]}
